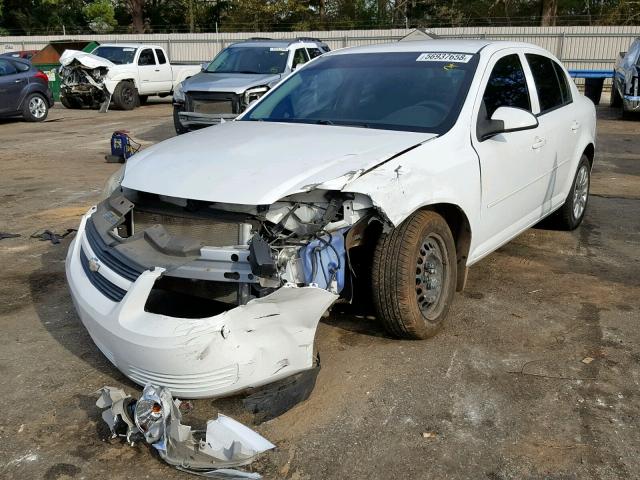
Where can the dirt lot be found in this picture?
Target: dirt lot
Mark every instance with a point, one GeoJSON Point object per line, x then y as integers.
{"type": "Point", "coordinates": [504, 388]}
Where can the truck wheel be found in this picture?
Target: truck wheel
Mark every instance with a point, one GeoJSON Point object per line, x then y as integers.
{"type": "Point", "coordinates": [35, 108]}
{"type": "Point", "coordinates": [70, 102]}
{"type": "Point", "coordinates": [414, 276]}
{"type": "Point", "coordinates": [616, 100]}
{"type": "Point", "coordinates": [176, 122]}
{"type": "Point", "coordinates": [125, 95]}
{"type": "Point", "coordinates": [572, 212]}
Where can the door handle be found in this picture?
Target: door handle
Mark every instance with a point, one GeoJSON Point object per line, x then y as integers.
{"type": "Point", "coordinates": [157, 70]}
{"type": "Point", "coordinates": [538, 143]}
{"type": "Point", "coordinates": [18, 81]}
{"type": "Point", "coordinates": [575, 126]}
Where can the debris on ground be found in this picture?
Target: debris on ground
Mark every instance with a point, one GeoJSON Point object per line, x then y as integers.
{"type": "Point", "coordinates": [429, 434]}
{"type": "Point", "coordinates": [156, 418]}
{"type": "Point", "coordinates": [49, 236]}
{"type": "Point", "coordinates": [587, 360]}
{"type": "Point", "coordinates": [4, 235]}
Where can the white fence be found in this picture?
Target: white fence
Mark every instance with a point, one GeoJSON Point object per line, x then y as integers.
{"type": "Point", "coordinates": [578, 47]}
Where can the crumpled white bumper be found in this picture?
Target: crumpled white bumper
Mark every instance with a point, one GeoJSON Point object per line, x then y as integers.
{"type": "Point", "coordinates": [265, 340]}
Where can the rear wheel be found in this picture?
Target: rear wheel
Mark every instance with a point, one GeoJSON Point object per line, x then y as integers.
{"type": "Point", "coordinates": [125, 95]}
{"type": "Point", "coordinates": [414, 276]}
{"type": "Point", "coordinates": [35, 108]}
{"type": "Point", "coordinates": [572, 212]}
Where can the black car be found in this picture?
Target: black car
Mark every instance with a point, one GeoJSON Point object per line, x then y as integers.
{"type": "Point", "coordinates": [24, 90]}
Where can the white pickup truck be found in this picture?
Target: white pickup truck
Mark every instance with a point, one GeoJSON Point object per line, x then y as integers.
{"type": "Point", "coordinates": [125, 73]}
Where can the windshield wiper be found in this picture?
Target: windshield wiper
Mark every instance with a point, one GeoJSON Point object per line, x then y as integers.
{"type": "Point", "coordinates": [324, 122]}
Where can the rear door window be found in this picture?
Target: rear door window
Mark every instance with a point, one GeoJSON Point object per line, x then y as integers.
{"type": "Point", "coordinates": [299, 57]}
{"type": "Point", "coordinates": [7, 68]}
{"type": "Point", "coordinates": [548, 84]}
{"type": "Point", "coordinates": [564, 84]}
{"type": "Point", "coordinates": [146, 57]}
{"type": "Point", "coordinates": [507, 86]}
{"type": "Point", "coordinates": [314, 52]}
{"type": "Point", "coordinates": [161, 58]}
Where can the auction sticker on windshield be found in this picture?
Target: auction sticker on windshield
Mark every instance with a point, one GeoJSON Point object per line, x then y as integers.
{"type": "Point", "coordinates": [444, 57]}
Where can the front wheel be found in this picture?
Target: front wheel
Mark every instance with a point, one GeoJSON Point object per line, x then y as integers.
{"type": "Point", "coordinates": [176, 122]}
{"type": "Point", "coordinates": [572, 212]}
{"type": "Point", "coordinates": [125, 96]}
{"type": "Point", "coordinates": [414, 276]}
{"type": "Point", "coordinates": [35, 108]}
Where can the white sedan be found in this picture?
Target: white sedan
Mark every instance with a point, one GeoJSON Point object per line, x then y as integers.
{"type": "Point", "coordinates": [375, 175]}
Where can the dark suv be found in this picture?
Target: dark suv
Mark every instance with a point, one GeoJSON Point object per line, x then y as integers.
{"type": "Point", "coordinates": [24, 90]}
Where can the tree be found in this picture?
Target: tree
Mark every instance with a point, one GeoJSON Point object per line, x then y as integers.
{"type": "Point", "coordinates": [100, 16]}
{"type": "Point", "coordinates": [136, 9]}
{"type": "Point", "coordinates": [548, 13]}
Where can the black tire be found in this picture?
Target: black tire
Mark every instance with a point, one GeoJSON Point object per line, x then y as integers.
{"type": "Point", "coordinates": [176, 122]}
{"type": "Point", "coordinates": [143, 99]}
{"type": "Point", "coordinates": [35, 108]}
{"type": "Point", "coordinates": [570, 215]}
{"type": "Point", "coordinates": [125, 95]}
{"type": "Point", "coordinates": [616, 99]}
{"type": "Point", "coordinates": [627, 115]}
{"type": "Point", "coordinates": [401, 282]}
{"type": "Point", "coordinates": [70, 102]}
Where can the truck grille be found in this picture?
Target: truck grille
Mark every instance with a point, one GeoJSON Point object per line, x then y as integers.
{"type": "Point", "coordinates": [208, 232]}
{"type": "Point", "coordinates": [206, 102]}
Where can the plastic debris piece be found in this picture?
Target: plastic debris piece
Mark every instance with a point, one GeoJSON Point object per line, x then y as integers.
{"type": "Point", "coordinates": [48, 235]}
{"type": "Point", "coordinates": [4, 235]}
{"type": "Point", "coordinates": [587, 360]}
{"type": "Point", "coordinates": [278, 397]}
{"type": "Point", "coordinates": [429, 434]}
{"type": "Point", "coordinates": [156, 417]}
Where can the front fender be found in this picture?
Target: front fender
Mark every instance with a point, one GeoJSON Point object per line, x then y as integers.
{"type": "Point", "coordinates": [113, 78]}
{"type": "Point", "coordinates": [443, 171]}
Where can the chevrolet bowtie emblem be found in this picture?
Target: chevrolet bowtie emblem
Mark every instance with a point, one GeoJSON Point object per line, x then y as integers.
{"type": "Point", "coordinates": [94, 265]}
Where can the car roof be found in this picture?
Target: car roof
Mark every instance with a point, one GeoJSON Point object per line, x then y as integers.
{"type": "Point", "coordinates": [128, 45]}
{"type": "Point", "coordinates": [275, 42]}
{"type": "Point", "coordinates": [434, 45]}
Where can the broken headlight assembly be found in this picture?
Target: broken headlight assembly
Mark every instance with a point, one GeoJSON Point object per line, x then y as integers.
{"type": "Point", "coordinates": [178, 93]}
{"type": "Point", "coordinates": [253, 94]}
{"type": "Point", "coordinates": [225, 443]}
{"type": "Point", "coordinates": [149, 415]}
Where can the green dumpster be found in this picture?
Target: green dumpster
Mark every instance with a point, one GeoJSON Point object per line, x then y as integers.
{"type": "Point", "coordinates": [48, 59]}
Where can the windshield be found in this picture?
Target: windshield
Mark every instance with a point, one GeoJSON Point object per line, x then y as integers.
{"type": "Point", "coordinates": [412, 91]}
{"type": "Point", "coordinates": [117, 55]}
{"type": "Point", "coordinates": [250, 60]}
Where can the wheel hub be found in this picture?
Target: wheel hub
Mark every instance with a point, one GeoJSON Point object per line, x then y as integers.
{"type": "Point", "coordinates": [580, 192]}
{"type": "Point", "coordinates": [429, 275]}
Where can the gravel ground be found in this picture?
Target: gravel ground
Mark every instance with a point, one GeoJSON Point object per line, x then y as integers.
{"type": "Point", "coordinates": [506, 391]}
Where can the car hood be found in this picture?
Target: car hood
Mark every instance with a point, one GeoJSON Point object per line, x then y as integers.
{"type": "Point", "coordinates": [85, 59]}
{"type": "Point", "coordinates": [227, 82]}
{"type": "Point", "coordinates": [258, 163]}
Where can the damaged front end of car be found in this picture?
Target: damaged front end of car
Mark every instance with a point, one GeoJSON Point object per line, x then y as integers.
{"type": "Point", "coordinates": [208, 298]}
{"type": "Point", "coordinates": [82, 80]}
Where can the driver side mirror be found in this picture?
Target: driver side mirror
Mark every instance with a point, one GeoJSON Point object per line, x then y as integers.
{"type": "Point", "coordinates": [505, 120]}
